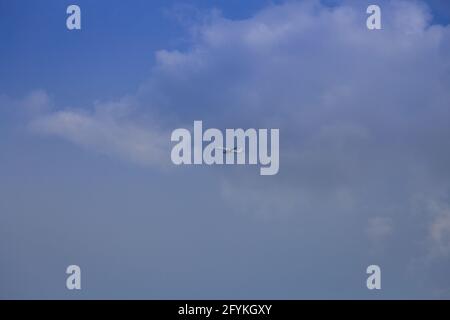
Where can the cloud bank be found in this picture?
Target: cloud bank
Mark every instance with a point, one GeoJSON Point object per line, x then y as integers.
{"type": "Point", "coordinates": [363, 115]}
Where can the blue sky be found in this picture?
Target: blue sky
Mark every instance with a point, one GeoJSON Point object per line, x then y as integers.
{"type": "Point", "coordinates": [86, 176]}
{"type": "Point", "coordinates": [117, 44]}
{"type": "Point", "coordinates": [116, 48]}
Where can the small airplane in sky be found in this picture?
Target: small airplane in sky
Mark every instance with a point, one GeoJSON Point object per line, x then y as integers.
{"type": "Point", "coordinates": [229, 150]}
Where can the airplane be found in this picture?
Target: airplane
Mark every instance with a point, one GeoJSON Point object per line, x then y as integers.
{"type": "Point", "coordinates": [229, 150]}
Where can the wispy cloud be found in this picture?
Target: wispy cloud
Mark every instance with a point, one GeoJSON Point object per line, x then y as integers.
{"type": "Point", "coordinates": [107, 129]}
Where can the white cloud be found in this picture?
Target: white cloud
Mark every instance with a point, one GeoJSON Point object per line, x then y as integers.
{"type": "Point", "coordinates": [363, 116]}
{"type": "Point", "coordinates": [37, 101]}
{"type": "Point", "coordinates": [439, 229]}
{"type": "Point", "coordinates": [440, 232]}
{"type": "Point", "coordinates": [32, 104]}
{"type": "Point", "coordinates": [378, 230]}
{"type": "Point", "coordinates": [107, 130]}
{"type": "Point", "coordinates": [359, 111]}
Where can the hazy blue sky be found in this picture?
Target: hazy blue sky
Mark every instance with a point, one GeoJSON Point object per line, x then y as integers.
{"type": "Point", "coordinates": [85, 170]}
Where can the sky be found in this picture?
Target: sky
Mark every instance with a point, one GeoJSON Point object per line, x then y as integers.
{"type": "Point", "coordinates": [86, 176]}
